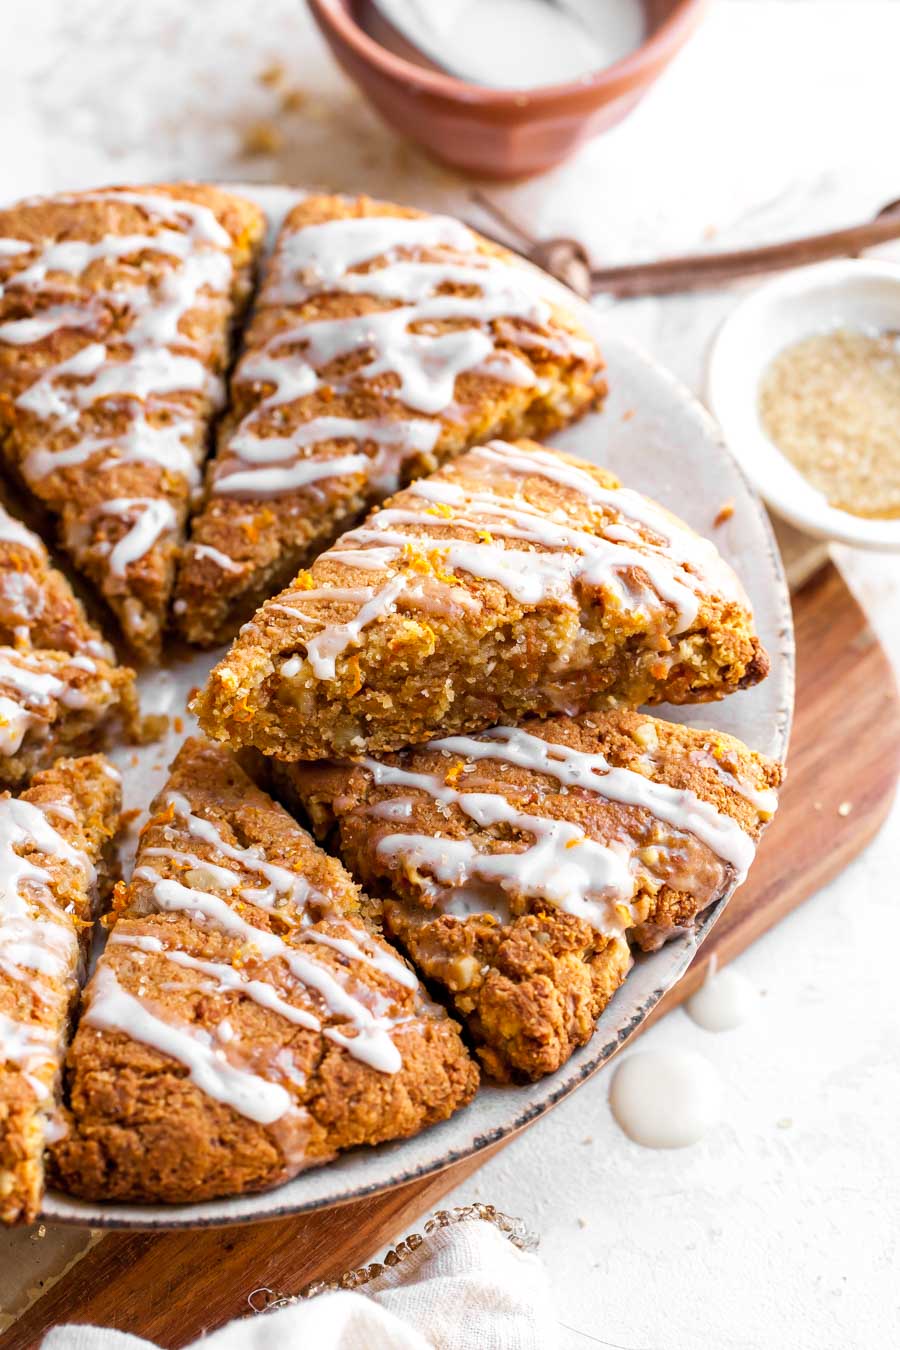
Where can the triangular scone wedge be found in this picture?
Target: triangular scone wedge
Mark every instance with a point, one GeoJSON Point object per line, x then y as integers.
{"type": "Point", "coordinates": [246, 1020]}
{"type": "Point", "coordinates": [515, 580]}
{"type": "Point", "coordinates": [116, 311]}
{"type": "Point", "coordinates": [53, 845]}
{"type": "Point", "coordinates": [518, 866]}
{"type": "Point", "coordinates": [383, 342]}
{"type": "Point", "coordinates": [61, 690]}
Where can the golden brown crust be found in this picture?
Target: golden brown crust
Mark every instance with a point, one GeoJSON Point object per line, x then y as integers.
{"type": "Point", "coordinates": [268, 536]}
{"type": "Point", "coordinates": [140, 1127]}
{"type": "Point", "coordinates": [528, 975]}
{"type": "Point", "coordinates": [176, 290]}
{"type": "Point", "coordinates": [510, 601]}
{"type": "Point", "coordinates": [80, 799]}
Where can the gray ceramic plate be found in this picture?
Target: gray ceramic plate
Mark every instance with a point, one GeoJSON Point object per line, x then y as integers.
{"type": "Point", "coordinates": [657, 438]}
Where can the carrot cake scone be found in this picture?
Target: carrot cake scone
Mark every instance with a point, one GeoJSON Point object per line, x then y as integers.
{"type": "Point", "coordinates": [53, 842]}
{"type": "Point", "coordinates": [517, 867]}
{"type": "Point", "coordinates": [246, 1020]}
{"type": "Point", "coordinates": [514, 580]}
{"type": "Point", "coordinates": [60, 687]}
{"type": "Point", "coordinates": [116, 310]}
{"type": "Point", "coordinates": [383, 342]}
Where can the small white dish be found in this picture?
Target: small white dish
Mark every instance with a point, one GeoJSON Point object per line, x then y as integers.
{"type": "Point", "coordinates": [848, 294]}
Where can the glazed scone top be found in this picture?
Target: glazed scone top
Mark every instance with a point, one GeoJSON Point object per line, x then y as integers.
{"type": "Point", "coordinates": [590, 815]}
{"type": "Point", "coordinates": [382, 342]}
{"type": "Point", "coordinates": [507, 537]}
{"type": "Point", "coordinates": [115, 309]}
{"type": "Point", "coordinates": [388, 303]}
{"type": "Point", "coordinates": [287, 919]}
{"type": "Point", "coordinates": [463, 522]}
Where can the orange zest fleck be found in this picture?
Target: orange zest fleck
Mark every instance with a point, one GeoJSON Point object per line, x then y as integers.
{"type": "Point", "coordinates": [163, 818]}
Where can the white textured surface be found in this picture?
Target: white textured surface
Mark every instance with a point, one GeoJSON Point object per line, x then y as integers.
{"type": "Point", "coordinates": [781, 1228]}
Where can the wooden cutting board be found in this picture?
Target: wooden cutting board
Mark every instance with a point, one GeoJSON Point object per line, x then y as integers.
{"type": "Point", "coordinates": [844, 761]}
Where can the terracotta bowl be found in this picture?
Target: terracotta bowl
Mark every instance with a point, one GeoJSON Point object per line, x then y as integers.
{"type": "Point", "coordinates": [502, 133]}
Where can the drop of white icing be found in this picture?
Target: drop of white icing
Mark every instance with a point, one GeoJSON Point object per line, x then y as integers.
{"type": "Point", "coordinates": [724, 1001]}
{"type": "Point", "coordinates": [665, 1098]}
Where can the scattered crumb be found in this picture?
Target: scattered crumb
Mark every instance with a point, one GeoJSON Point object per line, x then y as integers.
{"type": "Point", "coordinates": [725, 512]}
{"type": "Point", "coordinates": [589, 1139]}
{"type": "Point", "coordinates": [710, 231]}
{"type": "Point", "coordinates": [153, 727]}
{"type": "Point", "coordinates": [41, 1233]}
{"type": "Point", "coordinates": [273, 75]}
{"type": "Point", "coordinates": [178, 724]}
{"type": "Point", "coordinates": [845, 808]}
{"type": "Point", "coordinates": [628, 414]}
{"type": "Point", "coordinates": [134, 761]}
{"type": "Point", "coordinates": [261, 138]}
{"type": "Point", "coordinates": [784, 1123]}
{"type": "Point", "coordinates": [582, 1223]}
{"type": "Point", "coordinates": [293, 99]}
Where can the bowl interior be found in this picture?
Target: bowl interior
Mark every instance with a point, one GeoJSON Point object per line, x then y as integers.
{"type": "Point", "coordinates": [852, 294]}
{"type": "Point", "coordinates": [382, 44]}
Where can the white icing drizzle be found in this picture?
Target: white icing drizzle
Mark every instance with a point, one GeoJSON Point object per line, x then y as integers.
{"type": "Point", "coordinates": [227, 979]}
{"type": "Point", "coordinates": [12, 531]}
{"type": "Point", "coordinates": [371, 1042]}
{"type": "Point", "coordinates": [154, 518]}
{"type": "Point", "coordinates": [763, 800]}
{"type": "Point", "coordinates": [216, 556]}
{"type": "Point", "coordinates": [37, 940]}
{"type": "Point", "coordinates": [323, 650]}
{"type": "Point", "coordinates": [191, 236]}
{"type": "Point", "coordinates": [34, 687]}
{"type": "Point", "coordinates": [698, 553]}
{"type": "Point", "coordinates": [678, 807]}
{"type": "Point", "coordinates": [31, 1048]}
{"type": "Point", "coordinates": [368, 1035]}
{"type": "Point", "coordinates": [281, 881]}
{"type": "Point", "coordinates": [678, 566]}
{"type": "Point", "coordinates": [563, 866]}
{"type": "Point", "coordinates": [112, 1008]}
{"type": "Point", "coordinates": [399, 341]}
{"type": "Point", "coordinates": [165, 445]}
{"type": "Point", "coordinates": [591, 880]}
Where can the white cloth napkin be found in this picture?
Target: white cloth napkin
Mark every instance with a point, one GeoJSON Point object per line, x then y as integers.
{"type": "Point", "coordinates": [466, 1287]}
